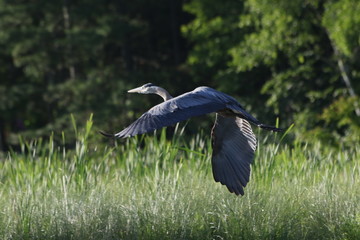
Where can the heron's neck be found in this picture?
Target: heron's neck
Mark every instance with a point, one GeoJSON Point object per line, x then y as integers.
{"type": "Point", "coordinates": [163, 93]}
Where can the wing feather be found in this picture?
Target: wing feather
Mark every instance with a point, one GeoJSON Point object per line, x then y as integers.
{"type": "Point", "coordinates": [238, 170]}
{"type": "Point", "coordinates": [234, 146]}
{"type": "Point", "coordinates": [237, 108]}
{"type": "Point", "coordinates": [235, 182]}
{"type": "Point", "coordinates": [173, 111]}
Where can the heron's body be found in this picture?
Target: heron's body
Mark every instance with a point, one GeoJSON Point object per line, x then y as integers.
{"type": "Point", "coordinates": [233, 141]}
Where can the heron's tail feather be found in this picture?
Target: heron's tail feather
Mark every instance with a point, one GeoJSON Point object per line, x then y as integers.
{"type": "Point", "coordinates": [270, 128]}
{"type": "Point", "coordinates": [106, 134]}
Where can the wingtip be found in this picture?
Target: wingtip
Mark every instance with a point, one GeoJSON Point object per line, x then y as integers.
{"type": "Point", "coordinates": [107, 134]}
{"type": "Point", "coordinates": [271, 128]}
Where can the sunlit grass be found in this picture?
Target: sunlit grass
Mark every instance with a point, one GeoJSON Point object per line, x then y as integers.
{"type": "Point", "coordinates": [152, 188]}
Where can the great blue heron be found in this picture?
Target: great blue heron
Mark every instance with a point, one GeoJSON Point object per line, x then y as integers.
{"type": "Point", "coordinates": [233, 141]}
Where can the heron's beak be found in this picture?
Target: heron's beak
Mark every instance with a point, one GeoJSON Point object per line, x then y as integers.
{"type": "Point", "coordinates": [135, 90]}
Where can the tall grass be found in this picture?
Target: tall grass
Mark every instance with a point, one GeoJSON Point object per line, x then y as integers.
{"type": "Point", "coordinates": [151, 188]}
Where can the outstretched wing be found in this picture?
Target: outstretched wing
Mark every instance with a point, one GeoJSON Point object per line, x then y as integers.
{"type": "Point", "coordinates": [202, 100]}
{"type": "Point", "coordinates": [175, 110]}
{"type": "Point", "coordinates": [234, 145]}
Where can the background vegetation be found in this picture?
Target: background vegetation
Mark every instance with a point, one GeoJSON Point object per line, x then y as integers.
{"type": "Point", "coordinates": [297, 60]}
{"type": "Point", "coordinates": [165, 190]}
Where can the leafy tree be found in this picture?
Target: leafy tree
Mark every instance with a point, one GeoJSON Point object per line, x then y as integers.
{"type": "Point", "coordinates": [63, 57]}
{"type": "Point", "coordinates": [290, 52]}
{"type": "Point", "coordinates": [300, 58]}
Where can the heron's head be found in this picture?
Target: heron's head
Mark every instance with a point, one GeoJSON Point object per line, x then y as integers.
{"type": "Point", "coordinates": [148, 88]}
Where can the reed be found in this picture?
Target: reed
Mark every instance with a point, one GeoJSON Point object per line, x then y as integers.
{"type": "Point", "coordinates": [149, 187]}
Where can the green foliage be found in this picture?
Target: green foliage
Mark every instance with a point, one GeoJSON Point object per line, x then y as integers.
{"type": "Point", "coordinates": [342, 20]}
{"type": "Point", "coordinates": [288, 59]}
{"type": "Point", "coordinates": [287, 40]}
{"type": "Point", "coordinates": [153, 188]}
{"type": "Point", "coordinates": [79, 57]}
{"type": "Point", "coordinates": [284, 52]}
{"type": "Point", "coordinates": [212, 31]}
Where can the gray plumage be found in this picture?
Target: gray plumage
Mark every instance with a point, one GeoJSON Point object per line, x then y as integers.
{"type": "Point", "coordinates": [234, 145]}
{"type": "Point", "coordinates": [233, 141]}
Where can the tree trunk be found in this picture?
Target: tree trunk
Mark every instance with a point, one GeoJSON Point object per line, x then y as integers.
{"type": "Point", "coordinates": [344, 74]}
{"type": "Point", "coordinates": [347, 81]}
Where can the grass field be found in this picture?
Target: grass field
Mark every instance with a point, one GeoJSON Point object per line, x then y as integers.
{"type": "Point", "coordinates": [153, 188]}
